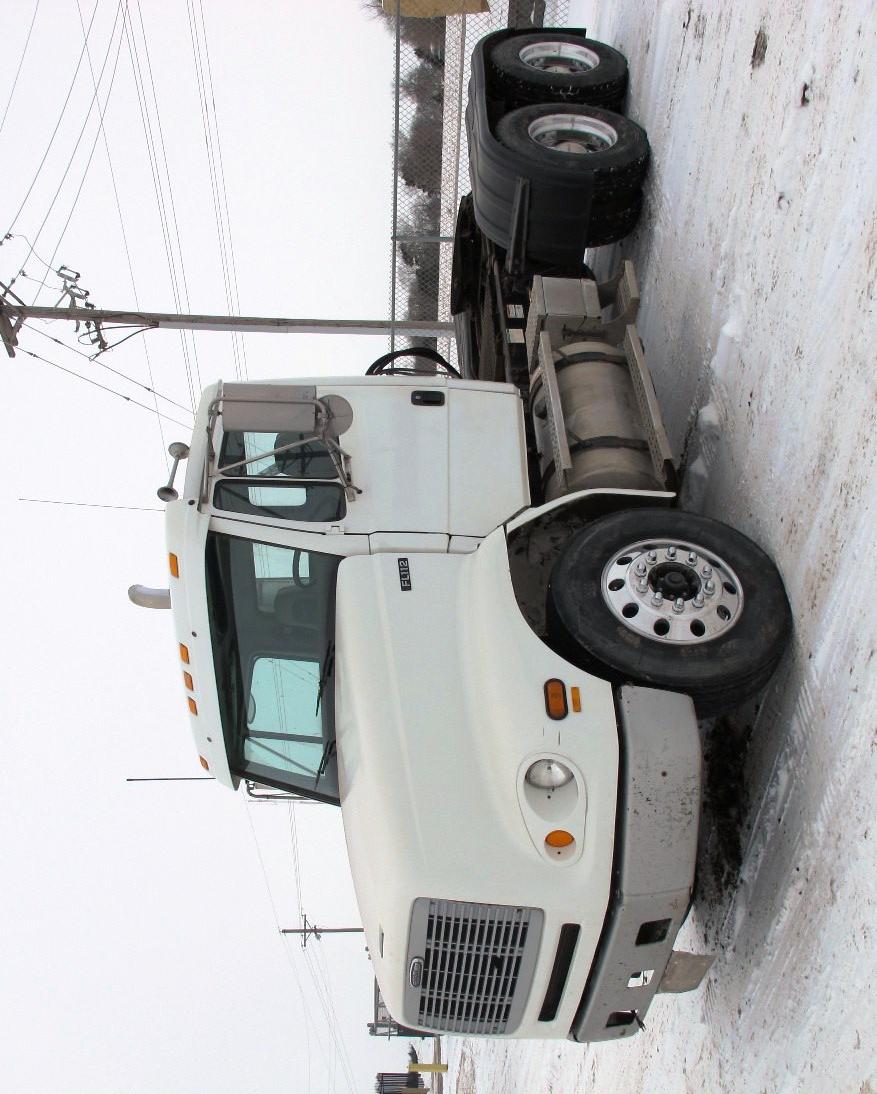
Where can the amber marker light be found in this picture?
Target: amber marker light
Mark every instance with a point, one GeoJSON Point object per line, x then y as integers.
{"type": "Point", "coordinates": [193, 706]}
{"type": "Point", "coordinates": [555, 699]}
{"type": "Point", "coordinates": [204, 763]}
{"type": "Point", "coordinates": [184, 654]}
{"type": "Point", "coordinates": [575, 695]}
{"type": "Point", "coordinates": [187, 680]}
{"type": "Point", "coordinates": [559, 838]}
{"type": "Point", "coordinates": [174, 564]}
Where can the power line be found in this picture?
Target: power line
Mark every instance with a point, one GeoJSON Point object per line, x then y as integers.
{"type": "Point", "coordinates": [101, 112]}
{"type": "Point", "coordinates": [97, 361]}
{"type": "Point", "coordinates": [158, 420]}
{"type": "Point", "coordinates": [204, 76]}
{"type": "Point", "coordinates": [170, 189]}
{"type": "Point", "coordinates": [21, 235]}
{"type": "Point", "coordinates": [296, 864]}
{"type": "Point", "coordinates": [57, 124]}
{"type": "Point", "coordinates": [27, 277]}
{"type": "Point", "coordinates": [325, 1004]}
{"type": "Point", "coordinates": [328, 1009]}
{"type": "Point", "coordinates": [98, 505]}
{"type": "Point", "coordinates": [112, 391]}
{"type": "Point", "coordinates": [152, 155]}
{"type": "Point", "coordinates": [237, 303]}
{"type": "Point", "coordinates": [288, 955]}
{"type": "Point", "coordinates": [81, 130]}
{"type": "Point", "coordinates": [20, 63]}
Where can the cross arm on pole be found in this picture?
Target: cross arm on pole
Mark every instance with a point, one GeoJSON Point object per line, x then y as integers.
{"type": "Point", "coordinates": [14, 312]}
{"type": "Point", "coordinates": [308, 930]}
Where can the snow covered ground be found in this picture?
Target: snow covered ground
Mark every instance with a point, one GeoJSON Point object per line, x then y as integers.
{"type": "Point", "coordinates": [757, 256]}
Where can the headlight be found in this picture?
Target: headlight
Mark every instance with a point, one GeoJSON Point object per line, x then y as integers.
{"type": "Point", "coordinates": [548, 774]}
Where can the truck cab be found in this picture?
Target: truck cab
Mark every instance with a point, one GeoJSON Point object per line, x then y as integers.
{"type": "Point", "coordinates": [350, 631]}
{"type": "Point", "coordinates": [276, 496]}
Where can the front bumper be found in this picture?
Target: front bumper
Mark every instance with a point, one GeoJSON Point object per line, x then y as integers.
{"type": "Point", "coordinates": [655, 854]}
{"type": "Point", "coordinates": [520, 971]}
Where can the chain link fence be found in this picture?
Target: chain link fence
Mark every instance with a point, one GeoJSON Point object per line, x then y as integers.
{"type": "Point", "coordinates": [430, 160]}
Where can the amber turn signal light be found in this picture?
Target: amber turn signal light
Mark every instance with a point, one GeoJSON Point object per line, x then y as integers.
{"type": "Point", "coordinates": [187, 680]}
{"type": "Point", "coordinates": [555, 699]}
{"type": "Point", "coordinates": [204, 763]}
{"type": "Point", "coordinates": [174, 564]}
{"type": "Point", "coordinates": [184, 654]}
{"type": "Point", "coordinates": [559, 838]}
{"type": "Point", "coordinates": [193, 706]}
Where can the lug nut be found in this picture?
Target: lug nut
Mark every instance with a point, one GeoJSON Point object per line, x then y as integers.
{"type": "Point", "coordinates": [678, 605]}
{"type": "Point", "coordinates": [640, 568]}
{"type": "Point", "coordinates": [698, 601]}
{"type": "Point", "coordinates": [692, 558]}
{"type": "Point", "coordinates": [671, 552]}
{"type": "Point", "coordinates": [658, 599]}
{"type": "Point", "coordinates": [652, 557]}
{"type": "Point", "coordinates": [707, 571]}
{"type": "Point", "coordinates": [642, 586]}
{"type": "Point", "coordinates": [709, 587]}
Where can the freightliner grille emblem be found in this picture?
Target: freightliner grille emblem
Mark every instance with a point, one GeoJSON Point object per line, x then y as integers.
{"type": "Point", "coordinates": [415, 972]}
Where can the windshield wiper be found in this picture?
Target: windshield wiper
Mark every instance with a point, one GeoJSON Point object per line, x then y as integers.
{"type": "Point", "coordinates": [328, 664]}
{"type": "Point", "coordinates": [328, 753]}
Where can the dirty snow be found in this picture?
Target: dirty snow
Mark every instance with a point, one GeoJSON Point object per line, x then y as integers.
{"type": "Point", "coordinates": [757, 256]}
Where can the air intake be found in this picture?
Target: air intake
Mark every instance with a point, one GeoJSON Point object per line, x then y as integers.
{"type": "Point", "coordinates": [477, 965]}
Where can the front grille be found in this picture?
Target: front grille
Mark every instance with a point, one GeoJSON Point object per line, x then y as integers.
{"type": "Point", "coordinates": [478, 962]}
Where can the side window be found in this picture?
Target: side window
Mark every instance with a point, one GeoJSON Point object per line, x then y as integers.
{"type": "Point", "coordinates": [272, 621]}
{"type": "Point", "coordinates": [284, 730]}
{"type": "Point", "coordinates": [305, 459]}
{"type": "Point", "coordinates": [281, 485]}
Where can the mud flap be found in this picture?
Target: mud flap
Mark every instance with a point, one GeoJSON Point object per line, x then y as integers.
{"type": "Point", "coordinates": [685, 972]}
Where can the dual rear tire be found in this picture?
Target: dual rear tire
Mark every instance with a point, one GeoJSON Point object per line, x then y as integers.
{"type": "Point", "coordinates": [571, 91]}
{"type": "Point", "coordinates": [554, 66]}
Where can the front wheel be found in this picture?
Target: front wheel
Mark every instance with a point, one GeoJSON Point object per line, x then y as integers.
{"type": "Point", "coordinates": [670, 600]}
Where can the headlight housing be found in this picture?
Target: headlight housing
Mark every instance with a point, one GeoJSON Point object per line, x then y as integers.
{"type": "Point", "coordinates": [548, 774]}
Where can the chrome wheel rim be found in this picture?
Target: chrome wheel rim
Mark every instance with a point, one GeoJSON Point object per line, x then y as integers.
{"type": "Point", "coordinates": [675, 592]}
{"type": "Point", "coordinates": [578, 134]}
{"type": "Point", "coordinates": [566, 58]}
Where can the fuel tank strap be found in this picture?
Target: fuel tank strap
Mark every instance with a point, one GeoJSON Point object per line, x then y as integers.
{"type": "Point", "coordinates": [596, 442]}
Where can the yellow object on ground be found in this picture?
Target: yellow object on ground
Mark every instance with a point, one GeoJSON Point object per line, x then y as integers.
{"type": "Point", "coordinates": [427, 9]}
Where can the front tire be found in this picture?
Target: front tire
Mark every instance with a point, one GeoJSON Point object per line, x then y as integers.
{"type": "Point", "coordinates": [716, 633]}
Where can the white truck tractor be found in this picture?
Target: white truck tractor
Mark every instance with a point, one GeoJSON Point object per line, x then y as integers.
{"type": "Point", "coordinates": [464, 606]}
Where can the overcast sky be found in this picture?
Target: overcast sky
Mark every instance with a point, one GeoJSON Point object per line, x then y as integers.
{"type": "Point", "coordinates": [139, 941]}
{"type": "Point", "coordinates": [139, 945]}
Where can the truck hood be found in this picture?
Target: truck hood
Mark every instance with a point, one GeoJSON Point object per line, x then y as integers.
{"type": "Point", "coordinates": [439, 703]}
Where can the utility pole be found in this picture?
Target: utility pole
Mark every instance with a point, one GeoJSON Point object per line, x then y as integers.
{"type": "Point", "coordinates": [14, 312]}
{"type": "Point", "coordinates": [307, 931]}
{"type": "Point", "coordinates": [174, 779]}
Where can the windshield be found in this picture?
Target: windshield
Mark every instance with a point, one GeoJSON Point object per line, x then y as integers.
{"type": "Point", "coordinates": [271, 615]}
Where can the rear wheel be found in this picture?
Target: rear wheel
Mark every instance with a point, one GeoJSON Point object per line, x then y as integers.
{"type": "Point", "coordinates": [553, 66]}
{"type": "Point", "coordinates": [578, 138]}
{"type": "Point", "coordinates": [670, 600]}
{"type": "Point", "coordinates": [612, 222]}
